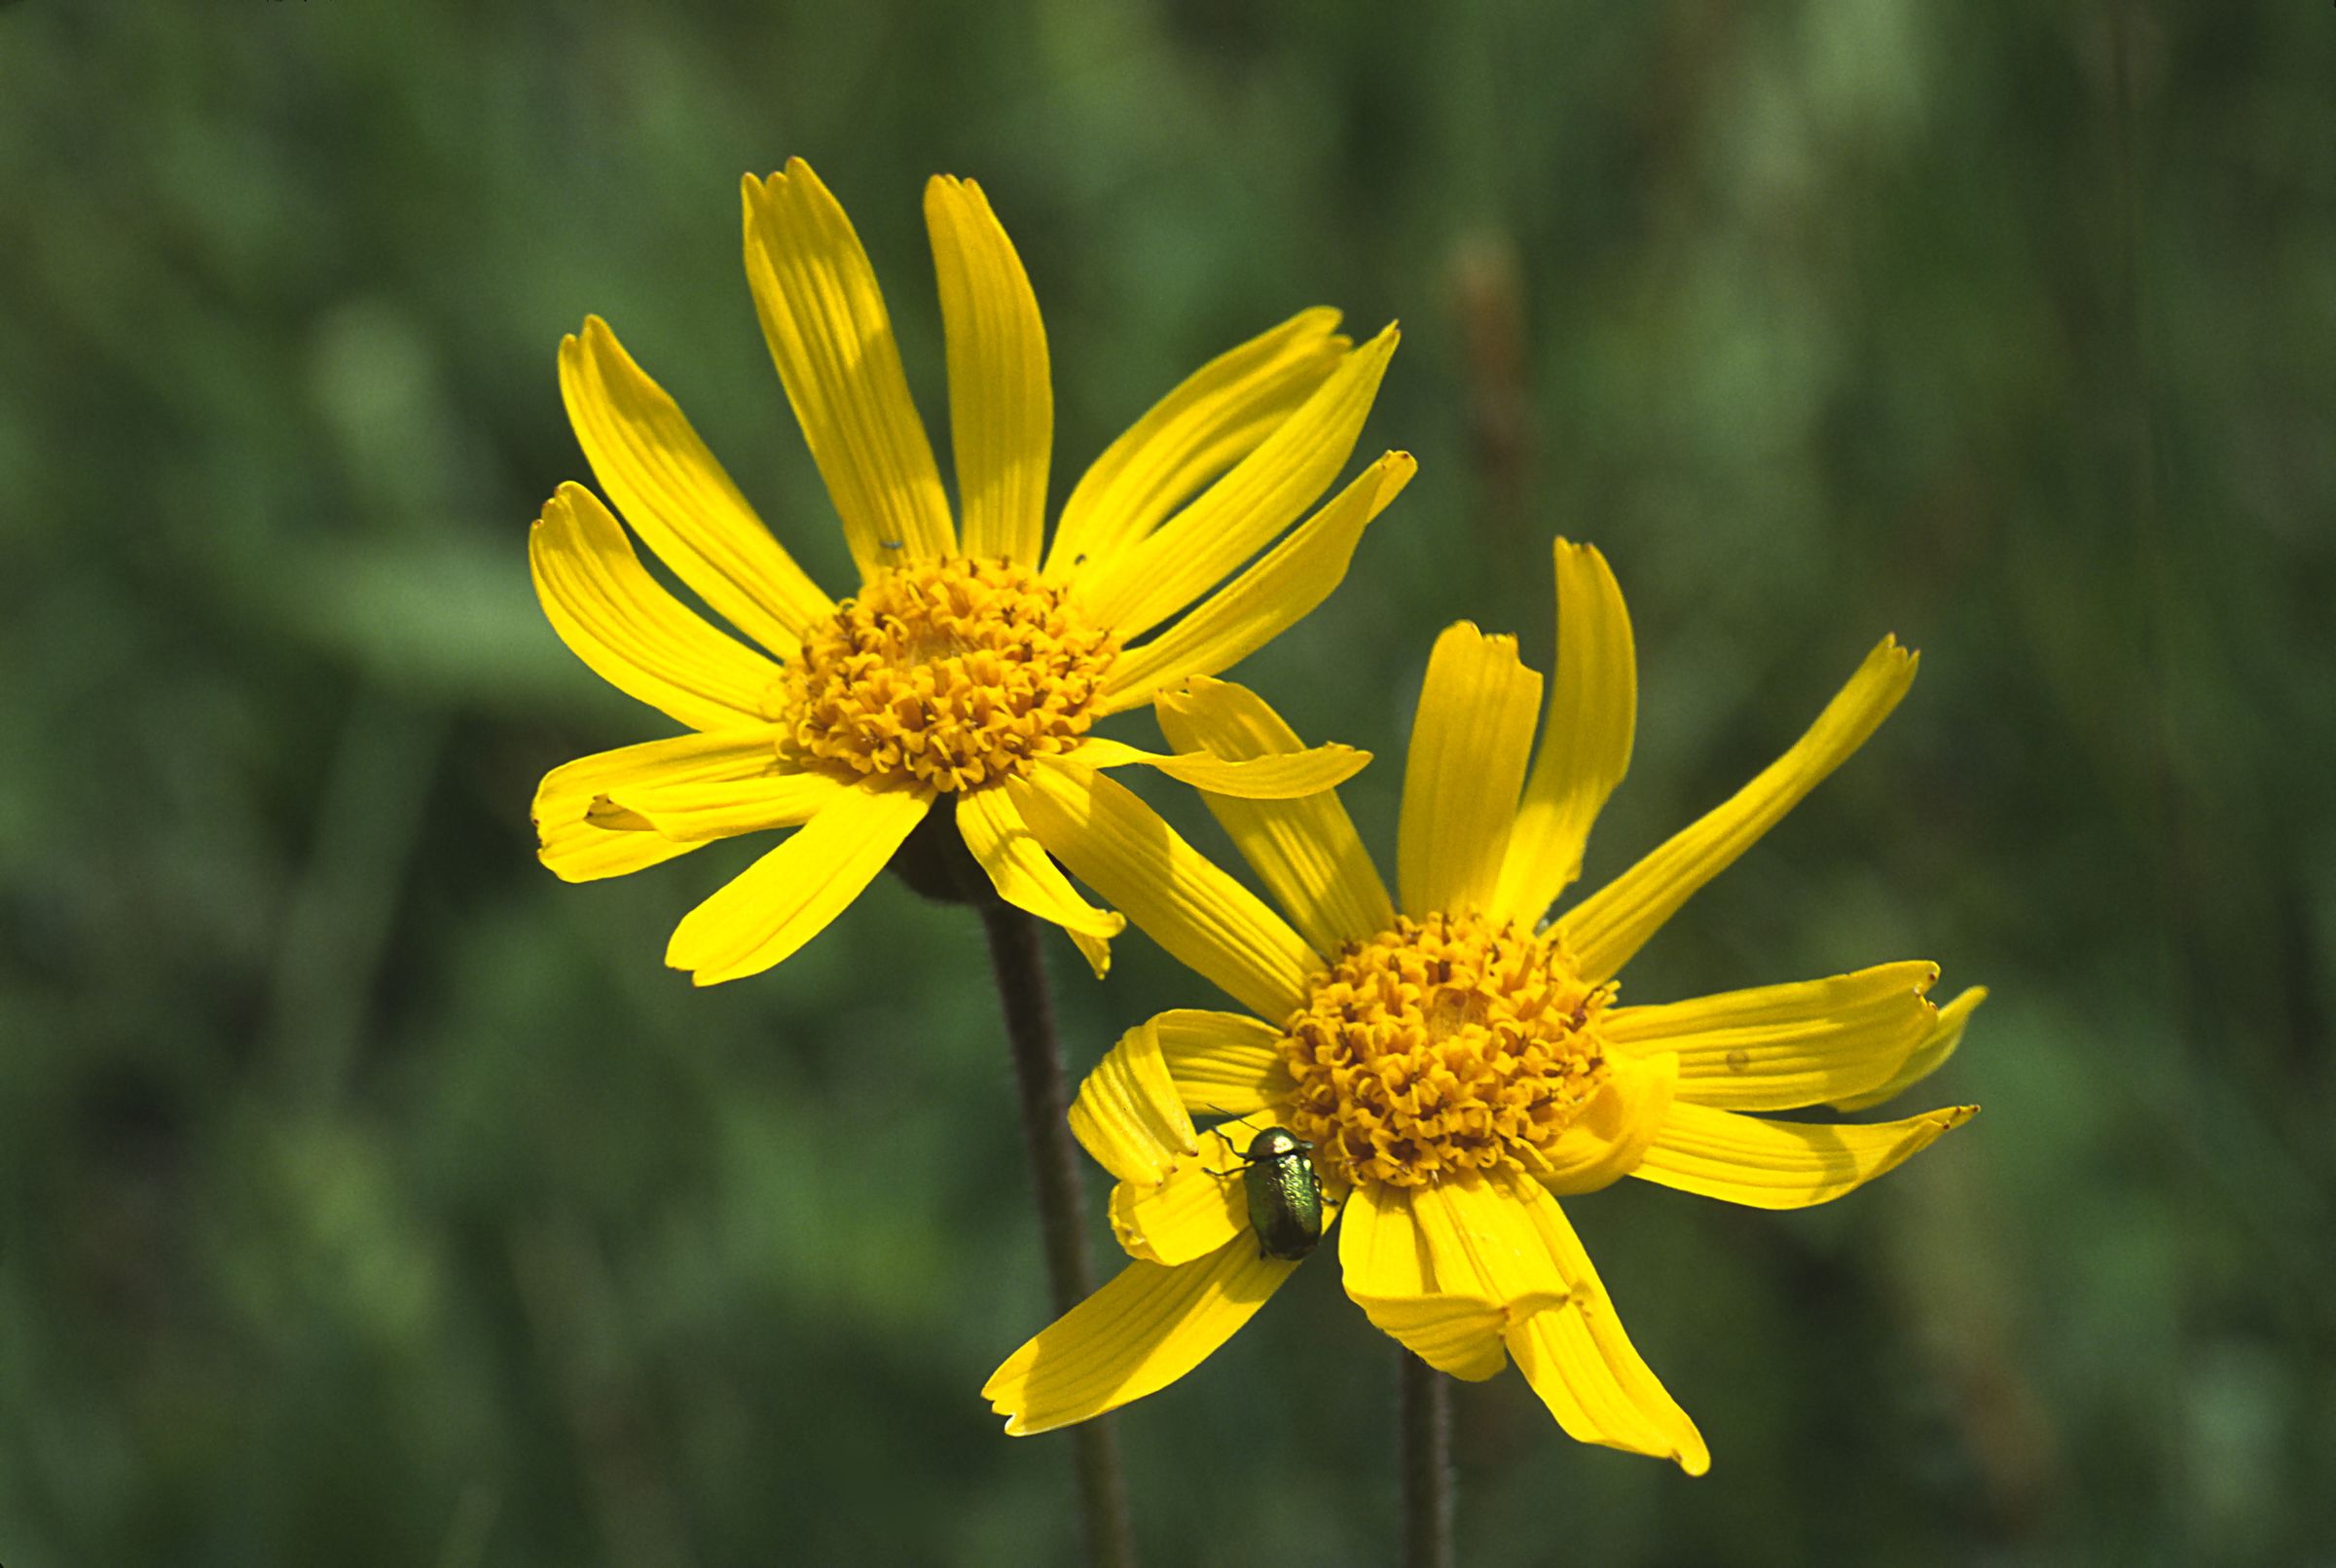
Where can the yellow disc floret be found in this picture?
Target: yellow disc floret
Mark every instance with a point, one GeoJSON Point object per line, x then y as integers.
{"type": "Point", "coordinates": [1442, 1044]}
{"type": "Point", "coordinates": [946, 674]}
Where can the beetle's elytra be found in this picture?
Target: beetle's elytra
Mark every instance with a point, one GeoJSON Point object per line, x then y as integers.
{"type": "Point", "coordinates": [1284, 1192]}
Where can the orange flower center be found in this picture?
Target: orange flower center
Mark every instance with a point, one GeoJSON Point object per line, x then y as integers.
{"type": "Point", "coordinates": [1443, 1044]}
{"type": "Point", "coordinates": [947, 675]}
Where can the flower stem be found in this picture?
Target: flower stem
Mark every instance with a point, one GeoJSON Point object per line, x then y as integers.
{"type": "Point", "coordinates": [1021, 970]}
{"type": "Point", "coordinates": [1424, 1454]}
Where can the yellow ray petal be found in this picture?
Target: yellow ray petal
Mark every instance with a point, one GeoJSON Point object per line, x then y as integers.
{"type": "Point", "coordinates": [1226, 1062]}
{"type": "Point", "coordinates": [1779, 1046]}
{"type": "Point", "coordinates": [1581, 1362]}
{"type": "Point", "coordinates": [1388, 1273]}
{"type": "Point", "coordinates": [786, 898]}
{"type": "Point", "coordinates": [1024, 877]}
{"type": "Point", "coordinates": [1478, 1230]}
{"type": "Point", "coordinates": [1214, 420]}
{"type": "Point", "coordinates": [579, 851]}
{"type": "Point", "coordinates": [1306, 852]}
{"type": "Point", "coordinates": [1469, 744]}
{"type": "Point", "coordinates": [1928, 1056]}
{"type": "Point", "coordinates": [1768, 1165]}
{"type": "Point", "coordinates": [1615, 1130]}
{"type": "Point", "coordinates": [1139, 1334]}
{"type": "Point", "coordinates": [1282, 776]}
{"type": "Point", "coordinates": [1280, 589]}
{"type": "Point", "coordinates": [1585, 737]}
{"type": "Point", "coordinates": [1114, 843]}
{"type": "Point", "coordinates": [1605, 929]}
{"type": "Point", "coordinates": [1000, 401]}
{"type": "Point", "coordinates": [694, 812]}
{"type": "Point", "coordinates": [678, 498]}
{"type": "Point", "coordinates": [832, 341]}
{"type": "Point", "coordinates": [1144, 584]}
{"type": "Point", "coordinates": [1196, 1206]}
{"type": "Point", "coordinates": [636, 637]}
{"type": "Point", "coordinates": [1128, 1115]}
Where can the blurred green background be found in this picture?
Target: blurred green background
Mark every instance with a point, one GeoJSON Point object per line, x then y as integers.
{"type": "Point", "coordinates": [372, 1198]}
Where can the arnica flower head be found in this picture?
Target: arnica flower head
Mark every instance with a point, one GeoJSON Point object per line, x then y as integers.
{"type": "Point", "coordinates": [1454, 1065]}
{"type": "Point", "coordinates": [971, 652]}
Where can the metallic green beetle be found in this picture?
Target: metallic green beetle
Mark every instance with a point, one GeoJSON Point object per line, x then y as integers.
{"type": "Point", "coordinates": [1285, 1194]}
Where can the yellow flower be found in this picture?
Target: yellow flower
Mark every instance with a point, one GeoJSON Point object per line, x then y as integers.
{"type": "Point", "coordinates": [1455, 1065]}
{"type": "Point", "coordinates": [971, 654]}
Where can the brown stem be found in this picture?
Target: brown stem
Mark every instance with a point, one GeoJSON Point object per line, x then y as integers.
{"type": "Point", "coordinates": [1423, 1423]}
{"type": "Point", "coordinates": [1021, 972]}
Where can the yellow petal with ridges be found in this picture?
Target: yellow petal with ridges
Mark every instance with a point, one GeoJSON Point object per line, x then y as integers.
{"type": "Point", "coordinates": [1142, 1332]}
{"type": "Point", "coordinates": [788, 896]}
{"type": "Point", "coordinates": [1118, 846]}
{"type": "Point", "coordinates": [1460, 1335]}
{"type": "Point", "coordinates": [1480, 1238]}
{"type": "Point", "coordinates": [1927, 1057]}
{"type": "Point", "coordinates": [1605, 929]}
{"type": "Point", "coordinates": [1144, 584]}
{"type": "Point", "coordinates": [1586, 736]}
{"type": "Point", "coordinates": [693, 812]}
{"type": "Point", "coordinates": [636, 637]}
{"type": "Point", "coordinates": [577, 850]}
{"type": "Point", "coordinates": [1000, 400]}
{"type": "Point", "coordinates": [1469, 746]}
{"type": "Point", "coordinates": [1767, 1164]}
{"type": "Point", "coordinates": [678, 498]}
{"type": "Point", "coordinates": [1613, 1132]}
{"type": "Point", "coordinates": [1580, 1362]}
{"type": "Point", "coordinates": [1306, 852]}
{"type": "Point", "coordinates": [1018, 867]}
{"type": "Point", "coordinates": [832, 339]}
{"type": "Point", "coordinates": [1128, 1116]}
{"type": "Point", "coordinates": [1780, 1046]}
{"type": "Point", "coordinates": [1215, 417]}
{"type": "Point", "coordinates": [1226, 1062]}
{"type": "Point", "coordinates": [1280, 589]}
{"type": "Point", "coordinates": [1284, 775]}
{"type": "Point", "coordinates": [1388, 1273]}
{"type": "Point", "coordinates": [1195, 1207]}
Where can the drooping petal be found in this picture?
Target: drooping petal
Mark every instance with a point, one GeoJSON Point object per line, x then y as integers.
{"type": "Point", "coordinates": [832, 339]}
{"type": "Point", "coordinates": [577, 850]}
{"type": "Point", "coordinates": [1767, 1164]}
{"type": "Point", "coordinates": [1776, 1048]}
{"type": "Point", "coordinates": [1241, 514]}
{"type": "Point", "coordinates": [1481, 1237]}
{"type": "Point", "coordinates": [636, 637]}
{"type": "Point", "coordinates": [1585, 737]}
{"type": "Point", "coordinates": [1019, 869]}
{"type": "Point", "coordinates": [786, 898]}
{"type": "Point", "coordinates": [1225, 1062]}
{"type": "Point", "coordinates": [1116, 845]}
{"type": "Point", "coordinates": [1580, 1362]}
{"type": "Point", "coordinates": [1614, 1131]}
{"type": "Point", "coordinates": [1389, 1274]}
{"type": "Point", "coordinates": [1139, 1334]}
{"type": "Point", "coordinates": [1280, 776]}
{"type": "Point", "coordinates": [697, 811]}
{"type": "Point", "coordinates": [678, 498]}
{"type": "Point", "coordinates": [1280, 589]}
{"type": "Point", "coordinates": [1927, 1057]}
{"type": "Point", "coordinates": [1215, 417]}
{"type": "Point", "coordinates": [1128, 1115]}
{"type": "Point", "coordinates": [1306, 852]}
{"type": "Point", "coordinates": [1469, 746]}
{"type": "Point", "coordinates": [1000, 400]}
{"type": "Point", "coordinates": [1605, 929]}
{"type": "Point", "coordinates": [1196, 1205]}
